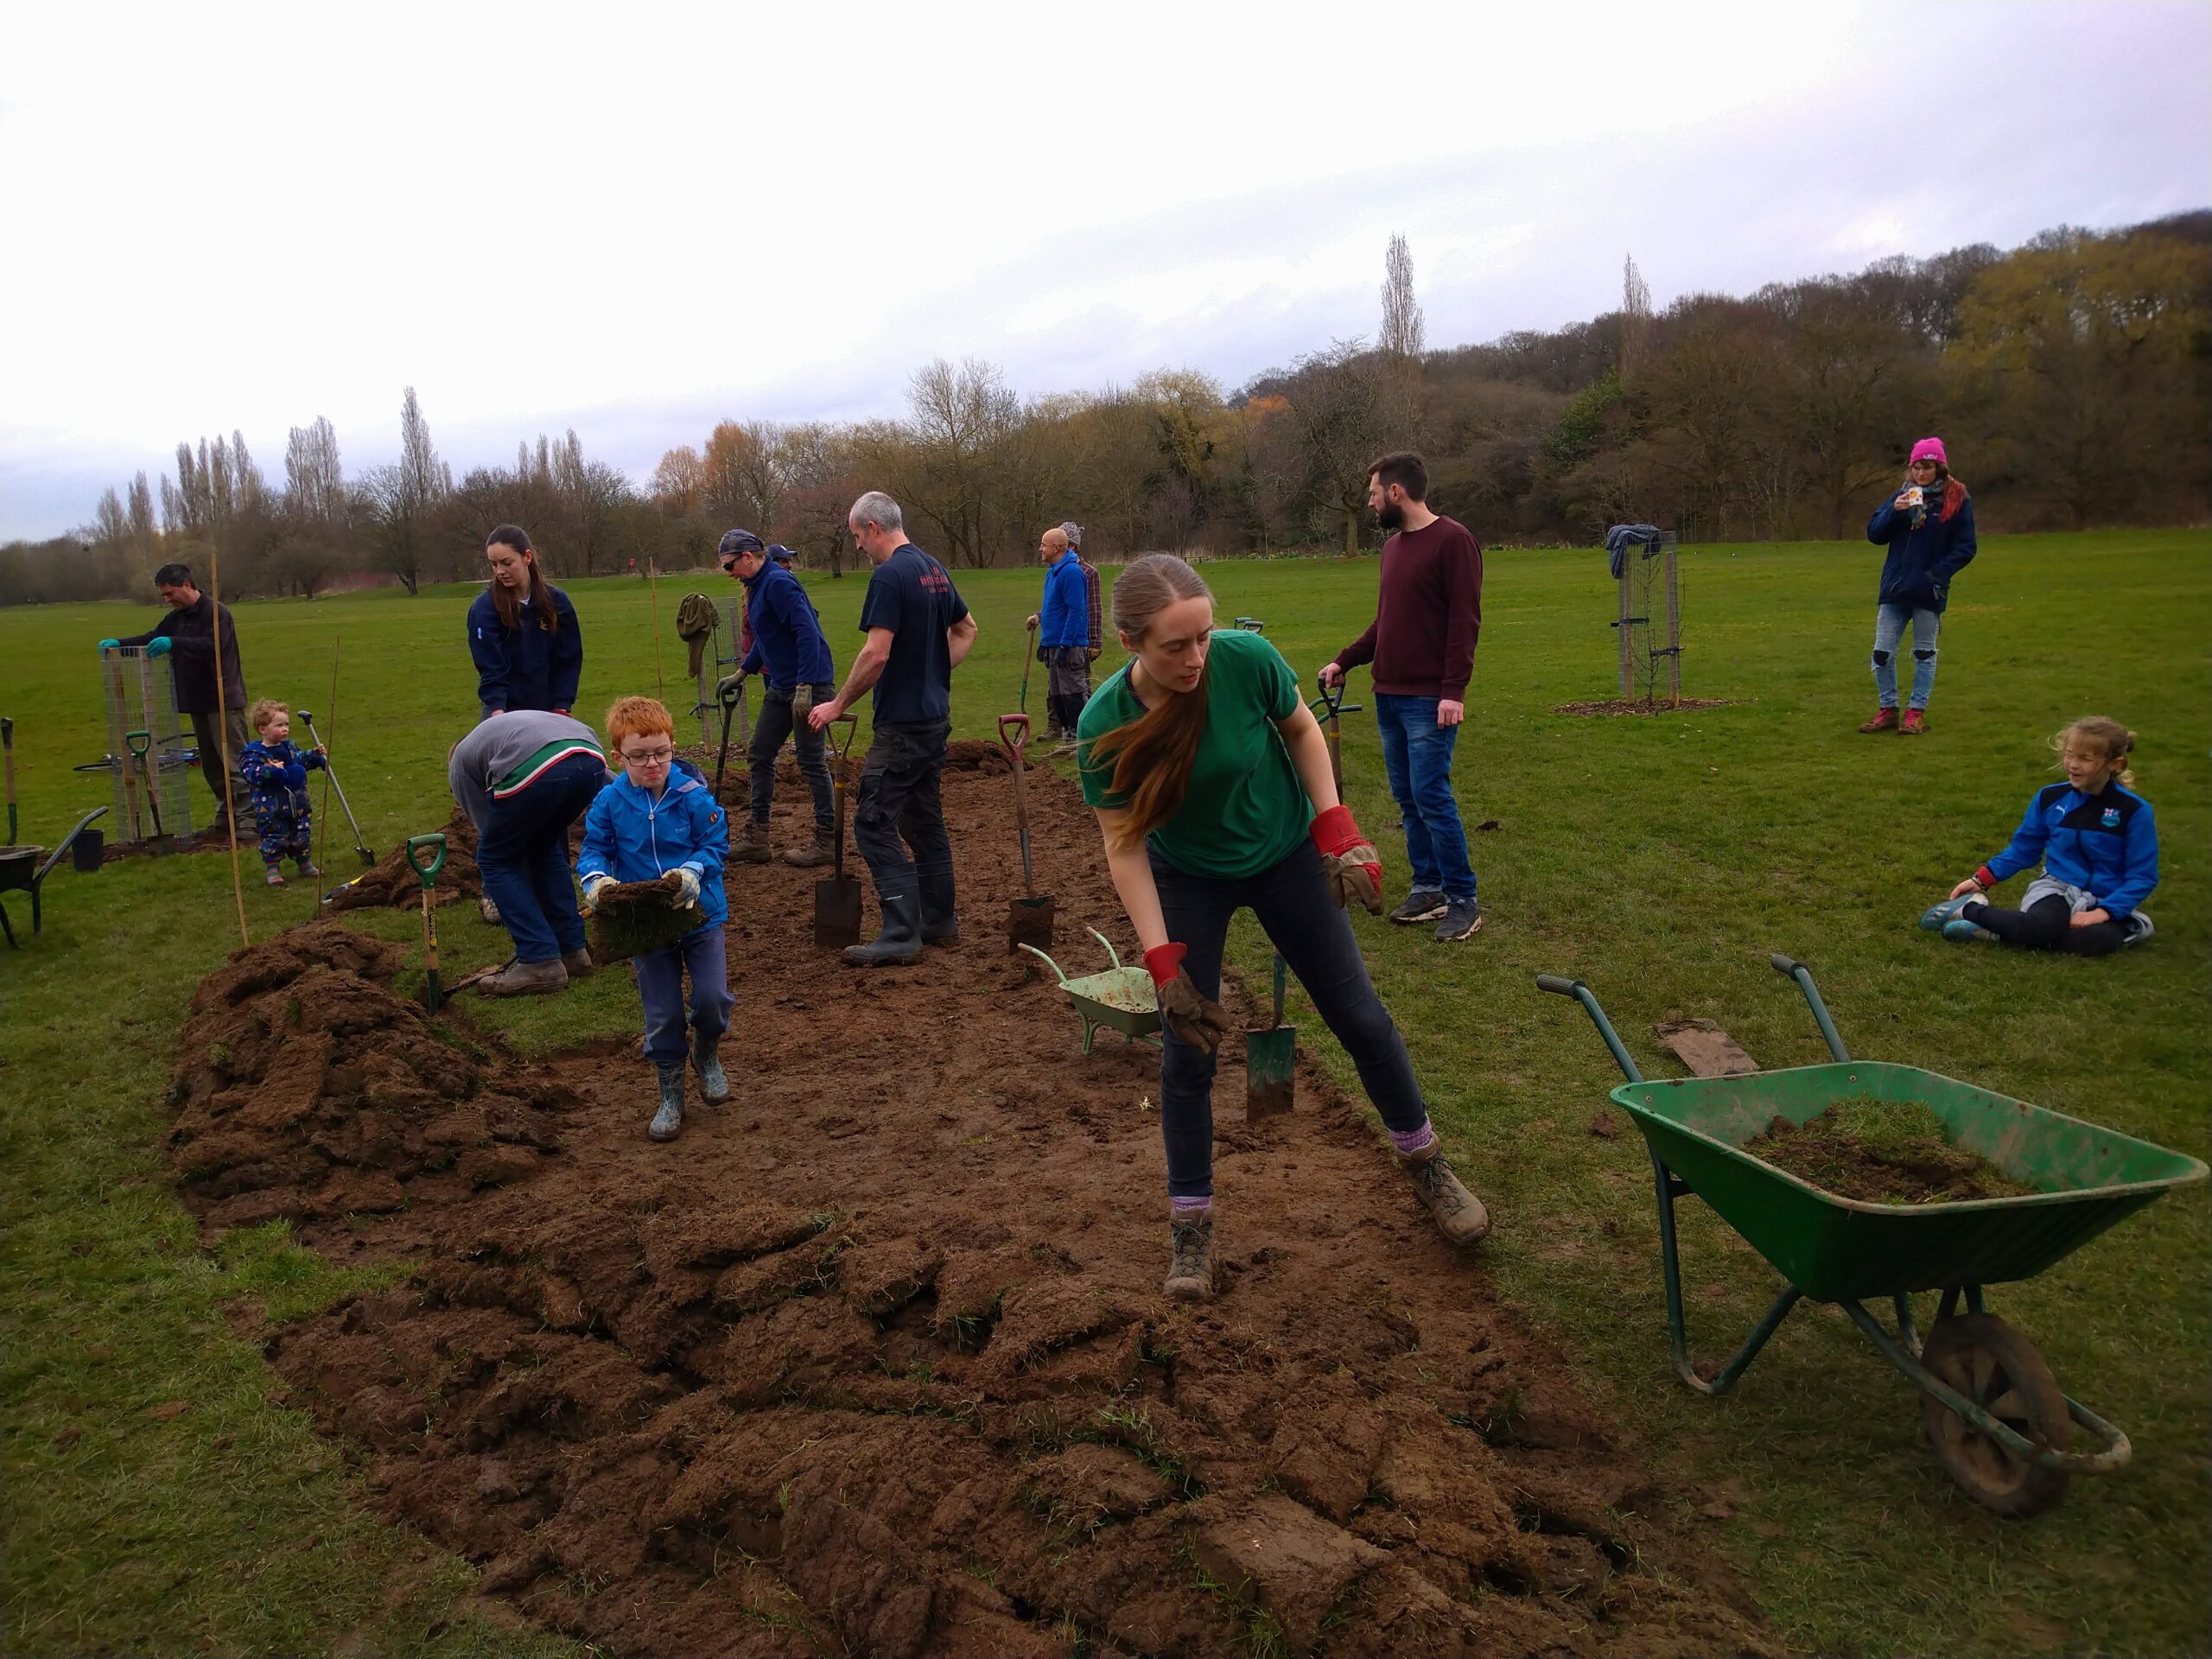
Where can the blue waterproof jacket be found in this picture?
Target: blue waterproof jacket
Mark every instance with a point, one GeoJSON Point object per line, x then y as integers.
{"type": "Point", "coordinates": [2104, 843]}
{"type": "Point", "coordinates": [788, 646]}
{"type": "Point", "coordinates": [525, 667]}
{"type": "Point", "coordinates": [1922, 560]}
{"type": "Point", "coordinates": [1064, 620]}
{"type": "Point", "coordinates": [633, 837]}
{"type": "Point", "coordinates": [276, 774]}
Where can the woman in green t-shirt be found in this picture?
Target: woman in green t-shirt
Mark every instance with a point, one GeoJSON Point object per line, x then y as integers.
{"type": "Point", "coordinates": [1212, 783]}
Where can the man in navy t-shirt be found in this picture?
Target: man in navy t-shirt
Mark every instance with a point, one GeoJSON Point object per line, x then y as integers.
{"type": "Point", "coordinates": [918, 632]}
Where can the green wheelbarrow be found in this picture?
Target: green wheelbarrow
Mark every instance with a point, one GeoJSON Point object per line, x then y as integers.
{"type": "Point", "coordinates": [1123, 998]}
{"type": "Point", "coordinates": [1999, 1424]}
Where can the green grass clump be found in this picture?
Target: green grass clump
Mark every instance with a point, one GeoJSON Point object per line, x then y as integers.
{"type": "Point", "coordinates": [1884, 1150]}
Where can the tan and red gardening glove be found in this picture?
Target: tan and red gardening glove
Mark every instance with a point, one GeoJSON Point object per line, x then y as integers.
{"type": "Point", "coordinates": [1349, 858]}
{"type": "Point", "coordinates": [1194, 1017]}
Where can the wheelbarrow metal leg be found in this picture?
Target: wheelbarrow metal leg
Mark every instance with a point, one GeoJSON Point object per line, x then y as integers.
{"type": "Point", "coordinates": [1669, 1185]}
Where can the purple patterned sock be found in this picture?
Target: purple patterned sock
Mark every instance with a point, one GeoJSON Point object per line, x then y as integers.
{"type": "Point", "coordinates": [1184, 1209]}
{"type": "Point", "coordinates": [1411, 1141]}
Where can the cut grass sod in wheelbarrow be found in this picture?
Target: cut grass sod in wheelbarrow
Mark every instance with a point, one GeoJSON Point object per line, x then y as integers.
{"type": "Point", "coordinates": [1028, 918]}
{"type": "Point", "coordinates": [1883, 1150]}
{"type": "Point", "coordinates": [2000, 1426]}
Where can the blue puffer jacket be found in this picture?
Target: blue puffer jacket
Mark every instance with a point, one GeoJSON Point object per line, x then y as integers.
{"type": "Point", "coordinates": [1064, 620]}
{"type": "Point", "coordinates": [2104, 843]}
{"type": "Point", "coordinates": [525, 667]}
{"type": "Point", "coordinates": [634, 836]}
{"type": "Point", "coordinates": [1922, 559]}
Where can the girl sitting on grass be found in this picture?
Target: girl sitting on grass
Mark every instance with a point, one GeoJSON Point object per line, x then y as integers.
{"type": "Point", "coordinates": [2100, 849]}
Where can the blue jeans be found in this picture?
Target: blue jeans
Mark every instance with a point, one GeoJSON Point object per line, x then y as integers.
{"type": "Point", "coordinates": [1417, 754]}
{"type": "Point", "coordinates": [1292, 902]}
{"type": "Point", "coordinates": [660, 987]}
{"type": "Point", "coordinates": [1889, 628]}
{"type": "Point", "coordinates": [523, 854]}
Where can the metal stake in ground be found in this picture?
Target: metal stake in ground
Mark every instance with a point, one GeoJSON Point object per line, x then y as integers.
{"type": "Point", "coordinates": [1330, 705]}
{"type": "Point", "coordinates": [8, 742]}
{"type": "Point", "coordinates": [433, 848]}
{"type": "Point", "coordinates": [837, 896]}
{"type": "Point", "coordinates": [138, 743]}
{"type": "Point", "coordinates": [131, 826]}
{"type": "Point", "coordinates": [330, 772]}
{"type": "Point", "coordinates": [1029, 919]}
{"type": "Point", "coordinates": [1271, 1061]}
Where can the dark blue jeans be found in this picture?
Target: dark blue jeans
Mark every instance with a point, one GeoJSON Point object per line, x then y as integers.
{"type": "Point", "coordinates": [524, 855]}
{"type": "Point", "coordinates": [1292, 902]}
{"type": "Point", "coordinates": [660, 987]}
{"type": "Point", "coordinates": [1417, 754]}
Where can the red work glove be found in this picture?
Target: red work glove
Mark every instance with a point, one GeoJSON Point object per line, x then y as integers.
{"type": "Point", "coordinates": [1353, 866]}
{"type": "Point", "coordinates": [1194, 1018]}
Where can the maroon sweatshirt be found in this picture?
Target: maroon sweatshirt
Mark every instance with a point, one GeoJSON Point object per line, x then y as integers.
{"type": "Point", "coordinates": [1423, 641]}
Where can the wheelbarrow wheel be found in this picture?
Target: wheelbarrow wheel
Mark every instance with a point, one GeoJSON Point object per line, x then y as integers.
{"type": "Point", "coordinates": [1997, 1368]}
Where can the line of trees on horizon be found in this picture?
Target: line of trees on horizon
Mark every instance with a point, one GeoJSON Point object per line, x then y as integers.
{"type": "Point", "coordinates": [2071, 379]}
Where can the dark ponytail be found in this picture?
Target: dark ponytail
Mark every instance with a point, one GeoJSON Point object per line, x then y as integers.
{"type": "Point", "coordinates": [1153, 753]}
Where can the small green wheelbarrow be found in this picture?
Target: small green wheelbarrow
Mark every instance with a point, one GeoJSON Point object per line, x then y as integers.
{"type": "Point", "coordinates": [1123, 998]}
{"type": "Point", "coordinates": [1999, 1424]}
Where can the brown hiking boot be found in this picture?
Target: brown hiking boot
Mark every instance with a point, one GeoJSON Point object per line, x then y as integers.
{"type": "Point", "coordinates": [822, 849]}
{"type": "Point", "coordinates": [1190, 1275]}
{"type": "Point", "coordinates": [579, 963]}
{"type": "Point", "coordinates": [1459, 1214]}
{"type": "Point", "coordinates": [1914, 723]}
{"type": "Point", "coordinates": [1886, 720]}
{"type": "Point", "coordinates": [527, 979]}
{"type": "Point", "coordinates": [751, 846]}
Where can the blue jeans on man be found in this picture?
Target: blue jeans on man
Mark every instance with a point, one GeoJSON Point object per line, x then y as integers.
{"type": "Point", "coordinates": [522, 857]}
{"type": "Point", "coordinates": [1417, 755]}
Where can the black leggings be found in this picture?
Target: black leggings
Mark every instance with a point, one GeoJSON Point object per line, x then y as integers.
{"type": "Point", "coordinates": [2047, 924]}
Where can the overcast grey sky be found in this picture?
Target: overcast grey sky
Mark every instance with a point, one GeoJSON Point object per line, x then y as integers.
{"type": "Point", "coordinates": [640, 220]}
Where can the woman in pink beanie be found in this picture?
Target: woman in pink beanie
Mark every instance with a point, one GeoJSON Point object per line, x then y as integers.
{"type": "Point", "coordinates": [1928, 529]}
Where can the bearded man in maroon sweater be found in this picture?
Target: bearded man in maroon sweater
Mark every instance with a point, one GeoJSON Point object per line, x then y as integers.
{"type": "Point", "coordinates": [1423, 645]}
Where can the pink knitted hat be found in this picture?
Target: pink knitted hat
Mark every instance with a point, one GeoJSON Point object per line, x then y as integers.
{"type": "Point", "coordinates": [1931, 449]}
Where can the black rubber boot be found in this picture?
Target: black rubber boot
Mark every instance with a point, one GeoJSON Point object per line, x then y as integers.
{"type": "Point", "coordinates": [939, 924]}
{"type": "Point", "coordinates": [668, 1121]}
{"type": "Point", "coordinates": [899, 943]}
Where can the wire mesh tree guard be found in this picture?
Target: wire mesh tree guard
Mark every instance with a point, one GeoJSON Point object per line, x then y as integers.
{"type": "Point", "coordinates": [1650, 621]}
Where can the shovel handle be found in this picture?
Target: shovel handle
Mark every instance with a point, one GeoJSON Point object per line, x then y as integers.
{"type": "Point", "coordinates": [435, 844]}
{"type": "Point", "coordinates": [138, 743]}
{"type": "Point", "coordinates": [1018, 726]}
{"type": "Point", "coordinates": [846, 727]}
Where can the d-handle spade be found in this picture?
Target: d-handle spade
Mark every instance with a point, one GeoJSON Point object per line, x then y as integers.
{"type": "Point", "coordinates": [730, 693]}
{"type": "Point", "coordinates": [360, 846]}
{"type": "Point", "coordinates": [1271, 1061]}
{"type": "Point", "coordinates": [1330, 705]}
{"type": "Point", "coordinates": [426, 856]}
{"type": "Point", "coordinates": [1029, 919]}
{"type": "Point", "coordinates": [139, 743]}
{"type": "Point", "coordinates": [837, 896]}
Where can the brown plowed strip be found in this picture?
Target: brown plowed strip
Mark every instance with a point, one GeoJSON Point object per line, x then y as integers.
{"type": "Point", "coordinates": [874, 1360]}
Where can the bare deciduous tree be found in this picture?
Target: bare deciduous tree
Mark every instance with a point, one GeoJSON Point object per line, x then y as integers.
{"type": "Point", "coordinates": [1402, 321]}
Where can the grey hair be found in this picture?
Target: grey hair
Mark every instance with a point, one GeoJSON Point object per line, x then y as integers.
{"type": "Point", "coordinates": [876, 507]}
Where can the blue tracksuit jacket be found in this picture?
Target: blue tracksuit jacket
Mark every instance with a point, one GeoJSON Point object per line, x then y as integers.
{"type": "Point", "coordinates": [632, 837]}
{"type": "Point", "coordinates": [525, 667]}
{"type": "Point", "coordinates": [2104, 843]}
{"type": "Point", "coordinates": [788, 646]}
{"type": "Point", "coordinates": [1921, 561]}
{"type": "Point", "coordinates": [1064, 620]}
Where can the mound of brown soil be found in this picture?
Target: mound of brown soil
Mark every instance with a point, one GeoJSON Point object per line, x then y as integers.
{"type": "Point", "coordinates": [304, 1089]}
{"type": "Point", "coordinates": [1882, 1152]}
{"type": "Point", "coordinates": [874, 1358]}
{"type": "Point", "coordinates": [392, 882]}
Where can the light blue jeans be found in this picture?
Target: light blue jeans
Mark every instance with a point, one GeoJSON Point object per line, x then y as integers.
{"type": "Point", "coordinates": [1888, 629]}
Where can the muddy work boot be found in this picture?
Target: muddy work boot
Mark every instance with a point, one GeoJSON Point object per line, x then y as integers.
{"type": "Point", "coordinates": [668, 1121]}
{"type": "Point", "coordinates": [487, 910]}
{"type": "Point", "coordinates": [1459, 1214]}
{"type": "Point", "coordinates": [1914, 724]}
{"type": "Point", "coordinates": [899, 943]}
{"type": "Point", "coordinates": [713, 1085]}
{"type": "Point", "coordinates": [1190, 1273]}
{"type": "Point", "coordinates": [579, 963]}
{"type": "Point", "coordinates": [822, 849]}
{"type": "Point", "coordinates": [527, 979]}
{"type": "Point", "coordinates": [1886, 720]}
{"type": "Point", "coordinates": [751, 846]}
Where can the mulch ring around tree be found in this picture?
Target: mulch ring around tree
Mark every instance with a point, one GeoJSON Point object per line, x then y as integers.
{"type": "Point", "coordinates": [874, 1359]}
{"type": "Point", "coordinates": [1639, 705]}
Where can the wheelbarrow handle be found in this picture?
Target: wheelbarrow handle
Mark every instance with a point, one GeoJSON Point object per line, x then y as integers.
{"type": "Point", "coordinates": [1786, 966]}
{"type": "Point", "coordinates": [1048, 961]}
{"type": "Point", "coordinates": [1559, 986]}
{"type": "Point", "coordinates": [1790, 969]}
{"type": "Point", "coordinates": [436, 841]}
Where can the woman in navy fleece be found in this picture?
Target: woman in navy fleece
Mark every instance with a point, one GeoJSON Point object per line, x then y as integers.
{"type": "Point", "coordinates": [1928, 529]}
{"type": "Point", "coordinates": [522, 633]}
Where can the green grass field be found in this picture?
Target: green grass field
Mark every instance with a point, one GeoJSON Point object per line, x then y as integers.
{"type": "Point", "coordinates": [1660, 860]}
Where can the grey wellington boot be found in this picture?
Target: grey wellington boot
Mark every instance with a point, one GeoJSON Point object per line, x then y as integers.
{"type": "Point", "coordinates": [668, 1121]}
{"type": "Point", "coordinates": [713, 1085]}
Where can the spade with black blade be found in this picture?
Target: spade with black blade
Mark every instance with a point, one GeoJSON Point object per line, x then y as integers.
{"type": "Point", "coordinates": [1271, 1061]}
{"type": "Point", "coordinates": [837, 896]}
{"type": "Point", "coordinates": [1029, 918]}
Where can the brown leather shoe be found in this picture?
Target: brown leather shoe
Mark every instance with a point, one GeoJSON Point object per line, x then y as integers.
{"type": "Point", "coordinates": [579, 963]}
{"type": "Point", "coordinates": [527, 979]}
{"type": "Point", "coordinates": [1189, 1274]}
{"type": "Point", "coordinates": [1459, 1214]}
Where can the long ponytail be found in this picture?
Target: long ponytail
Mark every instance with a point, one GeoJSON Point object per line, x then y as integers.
{"type": "Point", "coordinates": [1152, 754]}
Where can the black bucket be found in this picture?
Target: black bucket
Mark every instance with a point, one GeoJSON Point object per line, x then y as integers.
{"type": "Point", "coordinates": [87, 851]}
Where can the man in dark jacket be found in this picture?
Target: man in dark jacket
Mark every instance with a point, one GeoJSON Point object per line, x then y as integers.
{"type": "Point", "coordinates": [1423, 645]}
{"type": "Point", "coordinates": [787, 649]}
{"type": "Point", "coordinates": [187, 637]}
{"type": "Point", "coordinates": [1929, 528]}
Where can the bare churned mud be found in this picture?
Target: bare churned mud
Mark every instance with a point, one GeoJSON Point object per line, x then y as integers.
{"type": "Point", "coordinates": [873, 1360]}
